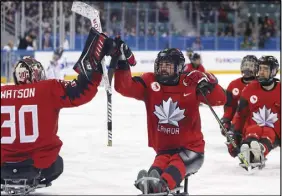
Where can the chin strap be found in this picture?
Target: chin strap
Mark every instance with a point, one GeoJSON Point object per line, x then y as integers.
{"type": "Point", "coordinates": [247, 79]}
{"type": "Point", "coordinates": [168, 81]}
{"type": "Point", "coordinates": [267, 83]}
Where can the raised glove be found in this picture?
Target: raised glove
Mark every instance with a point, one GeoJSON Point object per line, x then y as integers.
{"type": "Point", "coordinates": [204, 82]}
{"type": "Point", "coordinates": [96, 47]}
{"type": "Point", "coordinates": [126, 57]}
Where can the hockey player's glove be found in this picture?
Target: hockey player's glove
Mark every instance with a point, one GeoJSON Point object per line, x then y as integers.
{"type": "Point", "coordinates": [226, 123]}
{"type": "Point", "coordinates": [237, 137]}
{"type": "Point", "coordinates": [96, 47]}
{"type": "Point", "coordinates": [204, 82]}
{"type": "Point", "coordinates": [126, 57]}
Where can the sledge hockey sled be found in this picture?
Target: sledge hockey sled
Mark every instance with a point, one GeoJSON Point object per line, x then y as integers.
{"type": "Point", "coordinates": [20, 178]}
{"type": "Point", "coordinates": [178, 191]}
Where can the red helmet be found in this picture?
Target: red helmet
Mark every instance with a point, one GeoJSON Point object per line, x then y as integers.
{"type": "Point", "coordinates": [28, 70]}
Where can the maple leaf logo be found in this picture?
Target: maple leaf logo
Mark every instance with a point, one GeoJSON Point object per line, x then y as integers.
{"type": "Point", "coordinates": [169, 113]}
{"type": "Point", "coordinates": [264, 117]}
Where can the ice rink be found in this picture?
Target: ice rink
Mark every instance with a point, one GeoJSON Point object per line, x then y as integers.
{"type": "Point", "coordinates": [93, 168]}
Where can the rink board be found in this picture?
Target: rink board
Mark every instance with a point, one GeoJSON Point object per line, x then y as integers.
{"type": "Point", "coordinates": [217, 62]}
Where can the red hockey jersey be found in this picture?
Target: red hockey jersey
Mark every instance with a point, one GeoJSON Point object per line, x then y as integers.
{"type": "Point", "coordinates": [233, 93]}
{"type": "Point", "coordinates": [259, 106]}
{"type": "Point", "coordinates": [30, 114]}
{"type": "Point", "coordinates": [173, 118]}
{"type": "Point", "coordinates": [189, 67]}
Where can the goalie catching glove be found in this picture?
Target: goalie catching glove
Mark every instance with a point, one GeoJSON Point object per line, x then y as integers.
{"type": "Point", "coordinates": [96, 47]}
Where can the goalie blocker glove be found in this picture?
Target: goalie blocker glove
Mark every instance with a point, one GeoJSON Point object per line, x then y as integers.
{"type": "Point", "coordinates": [96, 47]}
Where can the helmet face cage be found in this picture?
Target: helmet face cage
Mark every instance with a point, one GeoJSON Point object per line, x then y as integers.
{"type": "Point", "coordinates": [28, 70]}
{"type": "Point", "coordinates": [249, 66]}
{"type": "Point", "coordinates": [273, 65]}
{"type": "Point", "coordinates": [173, 56]}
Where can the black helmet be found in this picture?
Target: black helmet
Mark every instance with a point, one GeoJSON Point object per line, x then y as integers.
{"type": "Point", "coordinates": [273, 65]}
{"type": "Point", "coordinates": [195, 56]}
{"type": "Point", "coordinates": [173, 56]}
{"type": "Point", "coordinates": [249, 67]}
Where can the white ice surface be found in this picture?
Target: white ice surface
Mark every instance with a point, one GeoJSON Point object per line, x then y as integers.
{"type": "Point", "coordinates": [93, 168]}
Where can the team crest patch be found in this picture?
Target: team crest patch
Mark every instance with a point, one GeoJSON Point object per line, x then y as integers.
{"type": "Point", "coordinates": [253, 99]}
{"type": "Point", "coordinates": [155, 86]}
{"type": "Point", "coordinates": [235, 91]}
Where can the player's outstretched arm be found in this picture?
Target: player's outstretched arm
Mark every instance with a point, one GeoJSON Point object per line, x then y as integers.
{"type": "Point", "coordinates": [125, 84]}
{"type": "Point", "coordinates": [241, 114]}
{"type": "Point", "coordinates": [89, 69]}
{"type": "Point", "coordinates": [231, 104]}
{"type": "Point", "coordinates": [216, 97]}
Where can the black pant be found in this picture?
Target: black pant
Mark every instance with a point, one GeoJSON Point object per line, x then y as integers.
{"type": "Point", "coordinates": [47, 175]}
{"type": "Point", "coordinates": [193, 161]}
{"type": "Point", "coordinates": [54, 171]}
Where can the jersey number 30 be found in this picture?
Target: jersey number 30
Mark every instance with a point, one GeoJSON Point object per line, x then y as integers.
{"type": "Point", "coordinates": [12, 124]}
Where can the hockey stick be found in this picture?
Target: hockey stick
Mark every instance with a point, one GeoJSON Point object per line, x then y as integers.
{"type": "Point", "coordinates": [93, 15]}
{"type": "Point", "coordinates": [241, 157]}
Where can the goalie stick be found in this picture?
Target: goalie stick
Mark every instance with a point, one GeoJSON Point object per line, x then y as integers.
{"type": "Point", "coordinates": [93, 15]}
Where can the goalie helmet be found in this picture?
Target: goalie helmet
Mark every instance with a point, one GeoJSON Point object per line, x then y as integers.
{"type": "Point", "coordinates": [273, 65]}
{"type": "Point", "coordinates": [28, 70]}
{"type": "Point", "coordinates": [171, 56]}
{"type": "Point", "coordinates": [249, 67]}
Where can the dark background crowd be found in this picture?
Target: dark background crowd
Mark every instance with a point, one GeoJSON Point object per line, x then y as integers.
{"type": "Point", "coordinates": [263, 14]}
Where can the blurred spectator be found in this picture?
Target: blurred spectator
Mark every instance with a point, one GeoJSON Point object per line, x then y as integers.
{"type": "Point", "coordinates": [254, 42]}
{"type": "Point", "coordinates": [245, 19]}
{"type": "Point", "coordinates": [197, 45]}
{"type": "Point", "coordinates": [115, 25]}
{"type": "Point", "coordinates": [10, 46]}
{"type": "Point", "coordinates": [222, 17]}
{"type": "Point", "coordinates": [179, 3]}
{"type": "Point", "coordinates": [212, 15]}
{"type": "Point", "coordinates": [233, 5]}
{"type": "Point", "coordinates": [229, 30]}
{"type": "Point", "coordinates": [248, 29]}
{"type": "Point", "coordinates": [46, 42]}
{"type": "Point", "coordinates": [164, 13]}
{"type": "Point", "coordinates": [25, 42]}
{"type": "Point", "coordinates": [66, 44]}
{"type": "Point", "coordinates": [33, 36]}
{"type": "Point", "coordinates": [45, 24]}
{"type": "Point", "coordinates": [220, 32]}
{"type": "Point", "coordinates": [247, 44]}
{"type": "Point", "coordinates": [133, 31]}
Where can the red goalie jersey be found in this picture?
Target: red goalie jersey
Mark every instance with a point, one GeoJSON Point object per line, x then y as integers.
{"type": "Point", "coordinates": [30, 113]}
{"type": "Point", "coordinates": [173, 116]}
